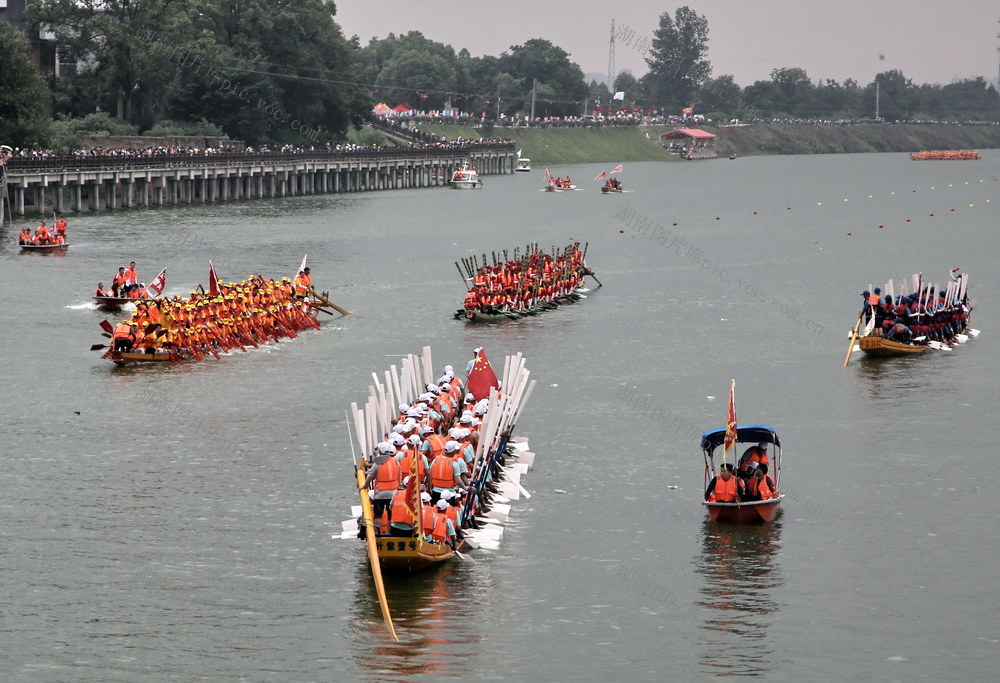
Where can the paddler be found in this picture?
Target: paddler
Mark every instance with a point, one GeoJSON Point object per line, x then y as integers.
{"type": "Point", "coordinates": [303, 283]}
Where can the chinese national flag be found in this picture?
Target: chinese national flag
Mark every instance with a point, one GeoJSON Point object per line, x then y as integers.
{"type": "Point", "coordinates": [730, 440]}
{"type": "Point", "coordinates": [481, 378]}
{"type": "Point", "coordinates": [213, 280]}
{"type": "Point", "coordinates": [602, 175]}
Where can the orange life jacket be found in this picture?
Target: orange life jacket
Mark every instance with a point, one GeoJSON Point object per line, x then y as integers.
{"type": "Point", "coordinates": [123, 331]}
{"type": "Point", "coordinates": [406, 464]}
{"type": "Point", "coordinates": [759, 487]}
{"type": "Point", "coordinates": [437, 442]}
{"type": "Point", "coordinates": [400, 512]}
{"type": "Point", "coordinates": [428, 518]}
{"type": "Point", "coordinates": [724, 491]}
{"type": "Point", "coordinates": [443, 473]}
{"type": "Point", "coordinates": [440, 533]}
{"type": "Point", "coordinates": [387, 476]}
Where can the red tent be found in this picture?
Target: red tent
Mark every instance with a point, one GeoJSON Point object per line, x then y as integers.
{"type": "Point", "coordinates": [400, 108]}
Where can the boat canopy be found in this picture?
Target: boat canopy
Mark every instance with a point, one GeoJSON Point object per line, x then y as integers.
{"type": "Point", "coordinates": [747, 433]}
{"type": "Point", "coordinates": [687, 133]}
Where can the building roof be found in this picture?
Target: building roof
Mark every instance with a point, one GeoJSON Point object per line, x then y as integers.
{"type": "Point", "coordinates": [692, 133]}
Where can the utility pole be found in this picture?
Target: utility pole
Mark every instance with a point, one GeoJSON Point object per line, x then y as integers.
{"type": "Point", "coordinates": [876, 100]}
{"type": "Point", "coordinates": [998, 68]}
{"type": "Point", "coordinates": [611, 59]}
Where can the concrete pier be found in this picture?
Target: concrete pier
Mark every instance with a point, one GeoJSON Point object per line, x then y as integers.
{"type": "Point", "coordinates": [112, 183]}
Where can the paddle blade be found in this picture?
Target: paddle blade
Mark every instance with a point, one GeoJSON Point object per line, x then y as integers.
{"type": "Point", "coordinates": [107, 327]}
{"type": "Point", "coordinates": [95, 347]}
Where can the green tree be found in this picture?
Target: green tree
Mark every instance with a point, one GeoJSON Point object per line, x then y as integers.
{"type": "Point", "coordinates": [895, 93]}
{"type": "Point", "coordinates": [677, 64]}
{"type": "Point", "coordinates": [720, 95]}
{"type": "Point", "coordinates": [108, 34]}
{"type": "Point", "coordinates": [23, 93]}
{"type": "Point", "coordinates": [550, 65]}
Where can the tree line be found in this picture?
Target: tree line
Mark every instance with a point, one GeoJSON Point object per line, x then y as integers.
{"type": "Point", "coordinates": [282, 71]}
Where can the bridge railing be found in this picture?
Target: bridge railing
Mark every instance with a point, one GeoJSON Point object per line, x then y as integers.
{"type": "Point", "coordinates": [61, 163]}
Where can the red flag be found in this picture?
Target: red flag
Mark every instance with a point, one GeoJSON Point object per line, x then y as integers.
{"type": "Point", "coordinates": [602, 175]}
{"type": "Point", "coordinates": [481, 377]}
{"type": "Point", "coordinates": [547, 174]}
{"type": "Point", "coordinates": [618, 169]}
{"type": "Point", "coordinates": [159, 282]}
{"type": "Point", "coordinates": [213, 281]}
{"type": "Point", "coordinates": [730, 439]}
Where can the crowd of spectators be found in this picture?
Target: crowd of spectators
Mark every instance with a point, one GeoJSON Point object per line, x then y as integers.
{"type": "Point", "coordinates": [124, 153]}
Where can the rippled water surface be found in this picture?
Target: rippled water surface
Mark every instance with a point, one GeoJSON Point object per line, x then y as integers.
{"type": "Point", "coordinates": [174, 522]}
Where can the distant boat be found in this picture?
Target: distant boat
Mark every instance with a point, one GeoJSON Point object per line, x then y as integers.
{"type": "Point", "coordinates": [523, 165]}
{"type": "Point", "coordinates": [466, 178]}
{"type": "Point", "coordinates": [946, 155]}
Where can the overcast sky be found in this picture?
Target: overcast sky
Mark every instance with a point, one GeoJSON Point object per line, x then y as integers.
{"type": "Point", "coordinates": [930, 41]}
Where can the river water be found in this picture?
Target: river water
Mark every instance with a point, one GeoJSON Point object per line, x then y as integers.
{"type": "Point", "coordinates": [175, 522]}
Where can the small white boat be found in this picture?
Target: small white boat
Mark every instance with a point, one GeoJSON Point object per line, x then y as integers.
{"type": "Point", "coordinates": [523, 165]}
{"type": "Point", "coordinates": [466, 178]}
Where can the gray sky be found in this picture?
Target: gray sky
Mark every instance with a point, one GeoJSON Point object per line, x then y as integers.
{"type": "Point", "coordinates": [930, 41]}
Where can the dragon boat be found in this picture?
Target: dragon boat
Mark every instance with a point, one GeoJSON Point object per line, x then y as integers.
{"type": "Point", "coordinates": [527, 283]}
{"type": "Point", "coordinates": [228, 317]}
{"type": "Point", "coordinates": [495, 461]}
{"type": "Point", "coordinates": [910, 324]}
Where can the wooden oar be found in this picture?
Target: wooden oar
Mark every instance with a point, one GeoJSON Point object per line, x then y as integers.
{"type": "Point", "coordinates": [107, 327]}
{"type": "Point", "coordinates": [95, 347]}
{"type": "Point", "coordinates": [854, 337]}
{"type": "Point", "coordinates": [370, 543]}
{"type": "Point", "coordinates": [342, 311]}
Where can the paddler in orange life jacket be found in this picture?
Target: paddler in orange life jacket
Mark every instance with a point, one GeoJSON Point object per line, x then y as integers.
{"type": "Point", "coordinates": [400, 520]}
{"type": "Point", "coordinates": [303, 283]}
{"type": "Point", "coordinates": [444, 528]}
{"type": "Point", "coordinates": [124, 336]}
{"type": "Point", "coordinates": [385, 473]}
{"type": "Point", "coordinates": [42, 234]}
{"type": "Point", "coordinates": [724, 487]}
{"type": "Point", "coordinates": [118, 283]}
{"type": "Point", "coordinates": [760, 486]}
{"type": "Point", "coordinates": [754, 454]}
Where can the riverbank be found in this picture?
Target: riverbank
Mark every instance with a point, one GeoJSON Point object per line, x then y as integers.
{"type": "Point", "coordinates": [549, 146]}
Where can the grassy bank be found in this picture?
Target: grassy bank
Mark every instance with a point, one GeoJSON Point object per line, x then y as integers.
{"type": "Point", "coordinates": [549, 146]}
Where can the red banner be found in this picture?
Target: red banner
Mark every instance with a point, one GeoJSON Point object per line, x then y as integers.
{"type": "Point", "coordinates": [213, 281]}
{"type": "Point", "coordinates": [730, 440]}
{"type": "Point", "coordinates": [159, 282]}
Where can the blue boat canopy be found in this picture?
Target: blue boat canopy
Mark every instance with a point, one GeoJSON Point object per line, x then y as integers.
{"type": "Point", "coordinates": [744, 434]}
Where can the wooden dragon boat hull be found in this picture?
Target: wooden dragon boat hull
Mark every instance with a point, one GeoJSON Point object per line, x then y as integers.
{"type": "Point", "coordinates": [116, 302]}
{"type": "Point", "coordinates": [130, 358]}
{"type": "Point", "coordinates": [44, 248]}
{"type": "Point", "coordinates": [405, 555]}
{"type": "Point", "coordinates": [609, 190]}
{"type": "Point", "coordinates": [880, 347]}
{"type": "Point", "coordinates": [752, 512]}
